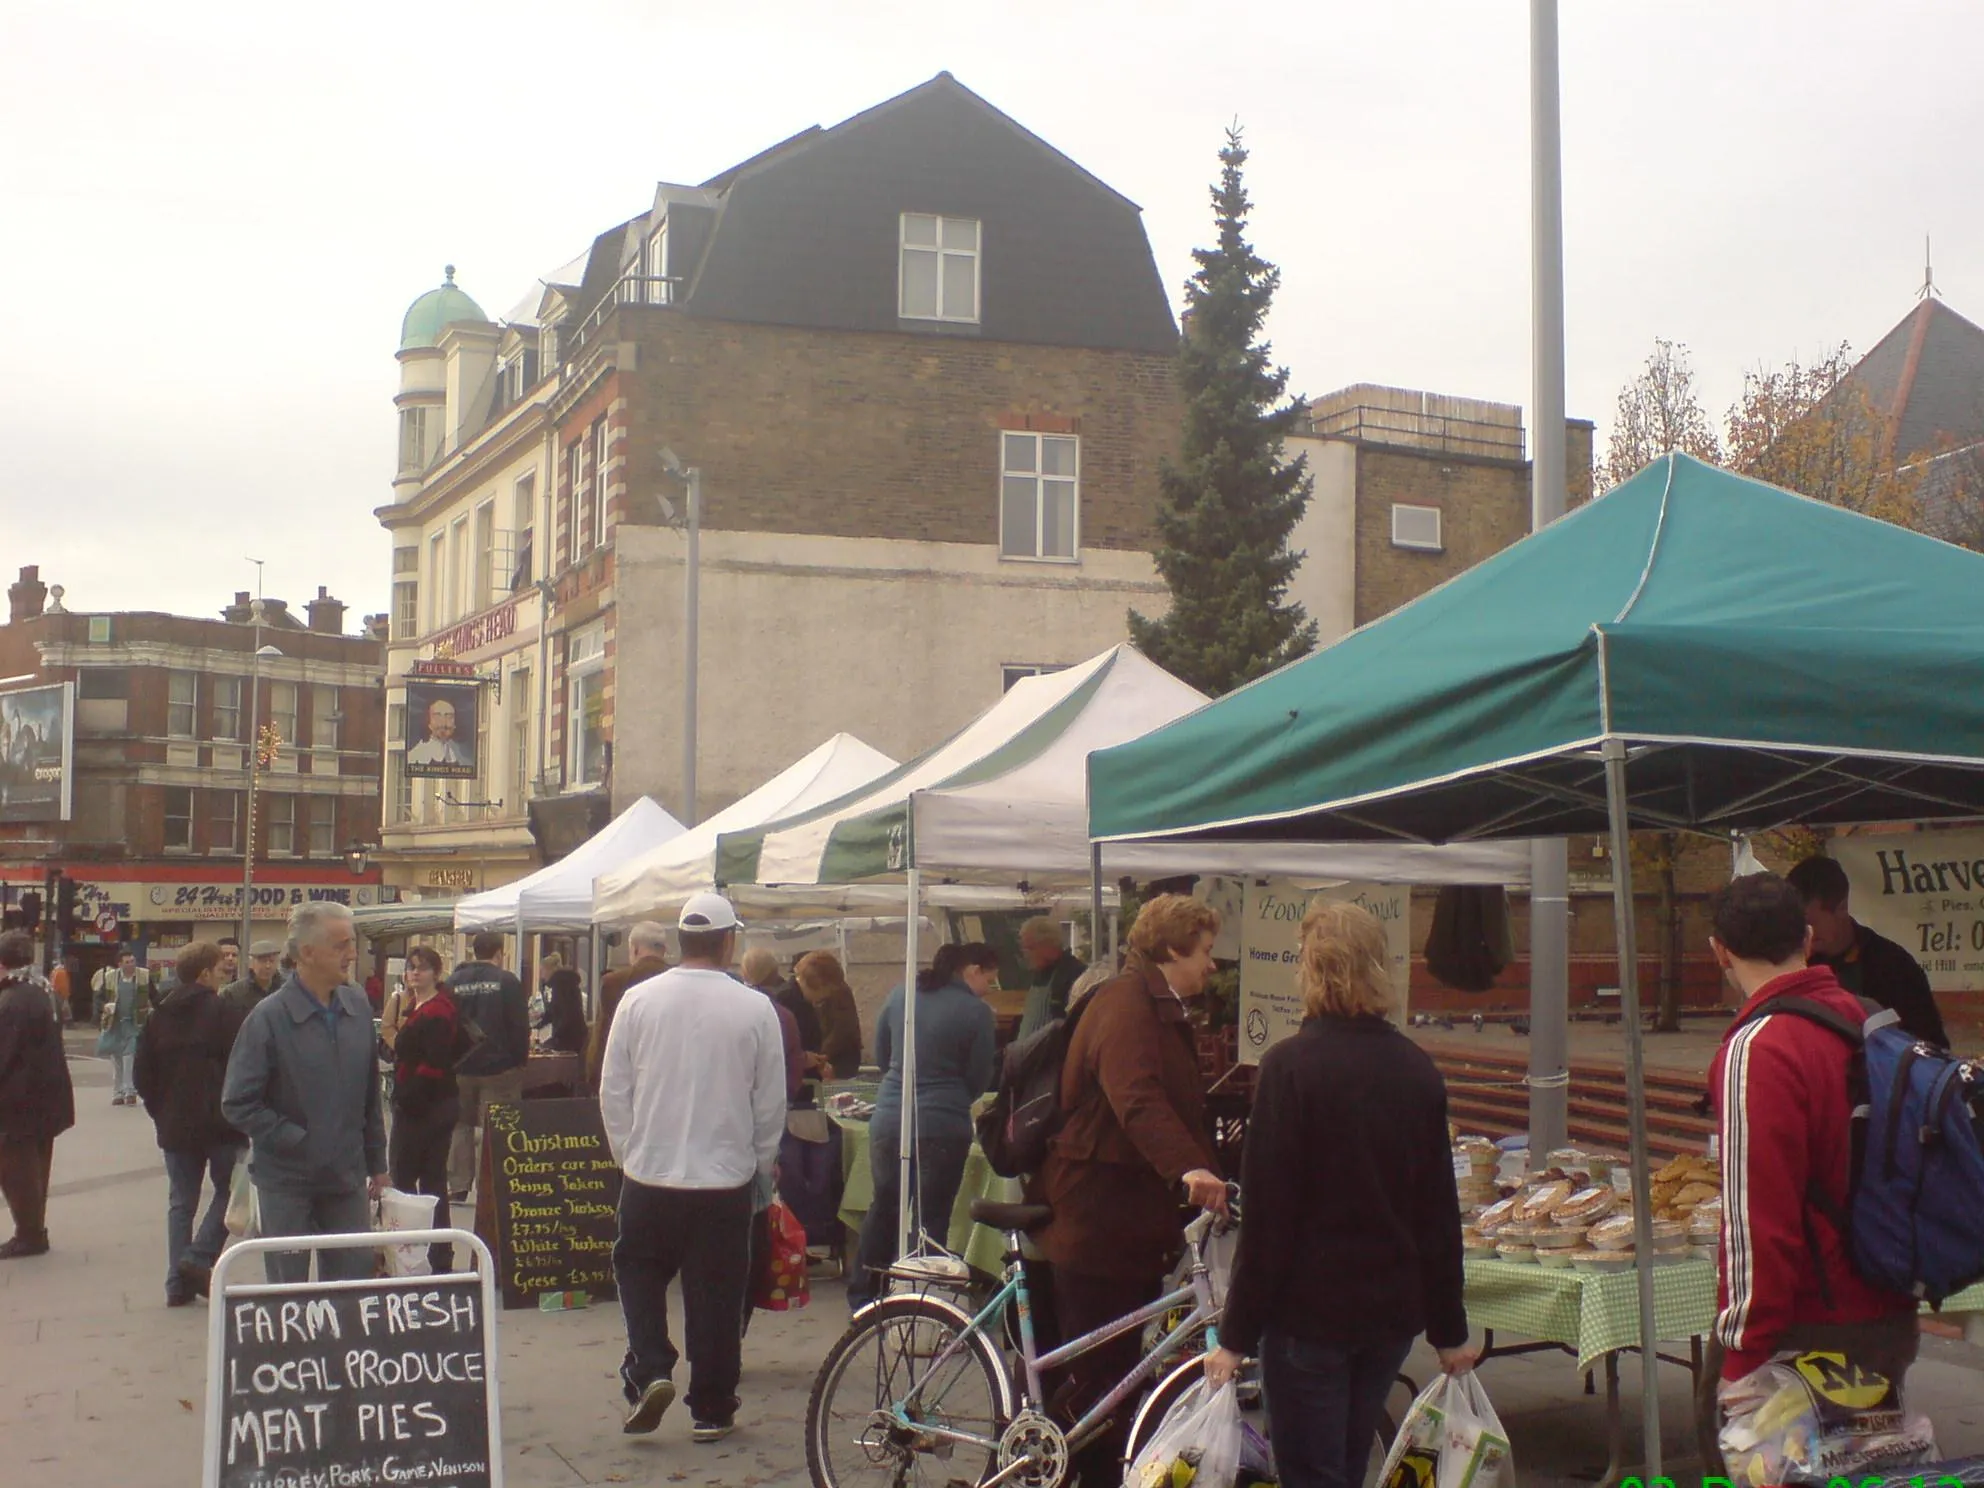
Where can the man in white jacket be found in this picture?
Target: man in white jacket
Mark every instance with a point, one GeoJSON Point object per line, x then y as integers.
{"type": "Point", "coordinates": [692, 1090]}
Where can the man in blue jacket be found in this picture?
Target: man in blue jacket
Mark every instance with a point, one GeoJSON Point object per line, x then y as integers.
{"type": "Point", "coordinates": [496, 1014]}
{"type": "Point", "coordinates": [303, 1086]}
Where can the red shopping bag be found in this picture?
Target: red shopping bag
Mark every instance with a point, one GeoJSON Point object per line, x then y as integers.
{"type": "Point", "coordinates": [780, 1285]}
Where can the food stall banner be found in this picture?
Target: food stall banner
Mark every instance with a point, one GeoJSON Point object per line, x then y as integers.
{"type": "Point", "coordinates": [1925, 892]}
{"type": "Point", "coordinates": [1271, 949]}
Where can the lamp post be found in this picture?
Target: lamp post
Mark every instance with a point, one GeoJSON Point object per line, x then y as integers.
{"type": "Point", "coordinates": [692, 525]}
{"type": "Point", "coordinates": [261, 742]}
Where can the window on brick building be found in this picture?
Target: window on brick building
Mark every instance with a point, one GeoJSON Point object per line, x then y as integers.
{"type": "Point", "coordinates": [223, 821]}
{"type": "Point", "coordinates": [182, 703]}
{"type": "Point", "coordinates": [227, 707]}
{"type": "Point", "coordinates": [282, 711]}
{"type": "Point", "coordinates": [1416, 527]}
{"type": "Point", "coordinates": [323, 826]}
{"type": "Point", "coordinates": [655, 266]}
{"type": "Point", "coordinates": [178, 818]}
{"type": "Point", "coordinates": [599, 438]}
{"type": "Point", "coordinates": [1039, 495]}
{"type": "Point", "coordinates": [324, 717]}
{"type": "Point", "coordinates": [938, 273]}
{"type": "Point", "coordinates": [581, 473]}
{"type": "Point", "coordinates": [585, 708]}
{"type": "Point", "coordinates": [281, 838]}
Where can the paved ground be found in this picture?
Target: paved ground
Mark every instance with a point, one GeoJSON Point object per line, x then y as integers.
{"type": "Point", "coordinates": [100, 1384]}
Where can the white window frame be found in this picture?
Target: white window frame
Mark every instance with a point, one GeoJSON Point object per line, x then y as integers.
{"type": "Point", "coordinates": [1040, 479]}
{"type": "Point", "coordinates": [178, 709]}
{"type": "Point", "coordinates": [523, 508]}
{"type": "Point", "coordinates": [521, 755]}
{"type": "Point", "coordinates": [437, 577]}
{"type": "Point", "coordinates": [579, 541]}
{"type": "Point", "coordinates": [654, 265]}
{"type": "Point", "coordinates": [483, 584]}
{"type": "Point", "coordinates": [976, 253]}
{"type": "Point", "coordinates": [1418, 544]}
{"type": "Point", "coordinates": [185, 793]}
{"type": "Point", "coordinates": [283, 720]}
{"type": "Point", "coordinates": [214, 819]}
{"type": "Point", "coordinates": [458, 567]}
{"type": "Point", "coordinates": [324, 711]}
{"type": "Point", "coordinates": [399, 785]}
{"type": "Point", "coordinates": [602, 437]}
{"type": "Point", "coordinates": [322, 811]}
{"type": "Point", "coordinates": [224, 687]}
{"type": "Point", "coordinates": [281, 834]}
{"type": "Point", "coordinates": [1018, 671]}
{"type": "Point", "coordinates": [413, 439]}
{"type": "Point", "coordinates": [585, 652]}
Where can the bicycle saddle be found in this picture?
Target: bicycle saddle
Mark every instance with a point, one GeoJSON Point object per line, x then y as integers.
{"type": "Point", "coordinates": [1023, 1217]}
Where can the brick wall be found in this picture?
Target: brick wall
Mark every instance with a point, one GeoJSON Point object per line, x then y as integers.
{"type": "Point", "coordinates": [877, 435]}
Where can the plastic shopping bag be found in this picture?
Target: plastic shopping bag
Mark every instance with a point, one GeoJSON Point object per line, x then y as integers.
{"type": "Point", "coordinates": [781, 1284]}
{"type": "Point", "coordinates": [1451, 1438]}
{"type": "Point", "coordinates": [398, 1210]}
{"type": "Point", "coordinates": [1814, 1417]}
{"type": "Point", "coordinates": [244, 1212]}
{"type": "Point", "coordinates": [1197, 1444]}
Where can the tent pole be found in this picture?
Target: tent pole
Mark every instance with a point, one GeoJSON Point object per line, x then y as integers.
{"type": "Point", "coordinates": [905, 1223]}
{"type": "Point", "coordinates": [1549, 874]}
{"type": "Point", "coordinates": [1095, 902]}
{"type": "Point", "coordinates": [598, 966]}
{"type": "Point", "coordinates": [1629, 1007]}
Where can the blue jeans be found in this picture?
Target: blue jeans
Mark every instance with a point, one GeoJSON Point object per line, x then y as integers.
{"type": "Point", "coordinates": [288, 1212]}
{"type": "Point", "coordinates": [1324, 1403]}
{"type": "Point", "coordinates": [940, 1163]}
{"type": "Point", "coordinates": [121, 1083]}
{"type": "Point", "coordinates": [183, 1172]}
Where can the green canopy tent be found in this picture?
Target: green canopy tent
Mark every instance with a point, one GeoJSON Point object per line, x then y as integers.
{"type": "Point", "coordinates": [1693, 651]}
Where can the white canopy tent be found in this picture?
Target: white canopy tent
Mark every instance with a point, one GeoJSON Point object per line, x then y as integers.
{"type": "Point", "coordinates": [1005, 799]}
{"type": "Point", "coordinates": [558, 897]}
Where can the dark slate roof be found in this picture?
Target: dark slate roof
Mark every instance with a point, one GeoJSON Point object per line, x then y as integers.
{"type": "Point", "coordinates": [1926, 377]}
{"type": "Point", "coordinates": [806, 233]}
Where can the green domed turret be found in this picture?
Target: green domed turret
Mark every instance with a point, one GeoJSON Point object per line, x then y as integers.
{"type": "Point", "coordinates": [434, 312]}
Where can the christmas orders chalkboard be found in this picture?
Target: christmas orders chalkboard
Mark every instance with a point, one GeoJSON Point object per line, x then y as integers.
{"type": "Point", "coordinates": [549, 1199]}
{"type": "Point", "coordinates": [387, 1381]}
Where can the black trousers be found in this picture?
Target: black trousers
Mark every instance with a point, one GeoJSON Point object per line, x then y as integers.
{"type": "Point", "coordinates": [418, 1157]}
{"type": "Point", "coordinates": [1082, 1303]}
{"type": "Point", "coordinates": [24, 1166]}
{"type": "Point", "coordinates": [703, 1236]}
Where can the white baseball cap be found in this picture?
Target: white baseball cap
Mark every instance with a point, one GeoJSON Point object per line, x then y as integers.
{"type": "Point", "coordinates": [707, 912]}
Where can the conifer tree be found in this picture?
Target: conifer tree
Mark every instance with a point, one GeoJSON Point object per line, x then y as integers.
{"type": "Point", "coordinates": [1230, 502]}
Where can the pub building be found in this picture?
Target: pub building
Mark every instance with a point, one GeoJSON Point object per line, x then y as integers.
{"type": "Point", "coordinates": [143, 722]}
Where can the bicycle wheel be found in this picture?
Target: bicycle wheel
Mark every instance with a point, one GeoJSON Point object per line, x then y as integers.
{"type": "Point", "coordinates": [1253, 1408]}
{"type": "Point", "coordinates": [890, 1356]}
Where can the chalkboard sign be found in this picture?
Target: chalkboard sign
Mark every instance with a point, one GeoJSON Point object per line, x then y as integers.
{"type": "Point", "coordinates": [387, 1381]}
{"type": "Point", "coordinates": [550, 1199]}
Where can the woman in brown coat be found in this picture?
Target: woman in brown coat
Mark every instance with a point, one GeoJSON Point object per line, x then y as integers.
{"type": "Point", "coordinates": [1134, 1137]}
{"type": "Point", "coordinates": [823, 982]}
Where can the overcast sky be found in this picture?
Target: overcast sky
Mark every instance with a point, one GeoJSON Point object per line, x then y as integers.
{"type": "Point", "coordinates": [212, 216]}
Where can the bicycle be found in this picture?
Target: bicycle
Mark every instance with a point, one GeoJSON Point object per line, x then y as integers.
{"type": "Point", "coordinates": [928, 1385]}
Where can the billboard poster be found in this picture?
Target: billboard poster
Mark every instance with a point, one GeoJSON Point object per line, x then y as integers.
{"type": "Point", "coordinates": [440, 729]}
{"type": "Point", "coordinates": [1270, 946]}
{"type": "Point", "coordinates": [1925, 892]}
{"type": "Point", "coordinates": [37, 747]}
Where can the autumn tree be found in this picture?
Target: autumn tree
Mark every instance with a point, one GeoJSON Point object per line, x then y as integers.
{"type": "Point", "coordinates": [1658, 411]}
{"type": "Point", "coordinates": [1229, 504]}
{"type": "Point", "coordinates": [1805, 427]}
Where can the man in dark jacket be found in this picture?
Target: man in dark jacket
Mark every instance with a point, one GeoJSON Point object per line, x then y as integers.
{"type": "Point", "coordinates": [647, 943]}
{"type": "Point", "coordinates": [182, 1065]}
{"type": "Point", "coordinates": [37, 1102]}
{"type": "Point", "coordinates": [264, 960]}
{"type": "Point", "coordinates": [1055, 970]}
{"type": "Point", "coordinates": [1865, 964]}
{"type": "Point", "coordinates": [496, 1014]}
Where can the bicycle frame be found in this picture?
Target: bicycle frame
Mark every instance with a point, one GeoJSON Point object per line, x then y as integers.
{"type": "Point", "coordinates": [1197, 1291]}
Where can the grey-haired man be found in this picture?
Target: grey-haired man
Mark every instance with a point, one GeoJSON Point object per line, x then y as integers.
{"type": "Point", "coordinates": [303, 1084]}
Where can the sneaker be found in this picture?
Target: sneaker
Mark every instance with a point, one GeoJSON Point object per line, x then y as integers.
{"type": "Point", "coordinates": [647, 1411]}
{"type": "Point", "coordinates": [711, 1431]}
{"type": "Point", "coordinates": [20, 1246]}
{"type": "Point", "coordinates": [198, 1278]}
{"type": "Point", "coordinates": [176, 1298]}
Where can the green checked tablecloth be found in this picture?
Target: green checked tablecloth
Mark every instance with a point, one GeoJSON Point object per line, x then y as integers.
{"type": "Point", "coordinates": [982, 1249]}
{"type": "Point", "coordinates": [1593, 1313]}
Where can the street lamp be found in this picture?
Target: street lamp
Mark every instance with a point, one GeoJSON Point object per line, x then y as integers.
{"type": "Point", "coordinates": [357, 858]}
{"type": "Point", "coordinates": [262, 746]}
{"type": "Point", "coordinates": [692, 522]}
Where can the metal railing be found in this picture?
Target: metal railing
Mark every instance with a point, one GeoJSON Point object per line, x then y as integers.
{"type": "Point", "coordinates": [1447, 434]}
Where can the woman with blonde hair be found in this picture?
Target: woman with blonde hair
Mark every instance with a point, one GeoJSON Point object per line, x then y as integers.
{"type": "Point", "coordinates": [1347, 1177]}
{"type": "Point", "coordinates": [824, 985]}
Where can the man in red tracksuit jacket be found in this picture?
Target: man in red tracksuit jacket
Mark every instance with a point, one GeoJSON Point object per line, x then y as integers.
{"type": "Point", "coordinates": [1779, 1090]}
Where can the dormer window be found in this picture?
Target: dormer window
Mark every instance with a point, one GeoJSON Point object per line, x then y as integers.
{"type": "Point", "coordinates": [938, 276]}
{"type": "Point", "coordinates": [654, 266]}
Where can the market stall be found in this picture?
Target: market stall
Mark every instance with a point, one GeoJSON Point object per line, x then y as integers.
{"type": "Point", "coordinates": [559, 895]}
{"type": "Point", "coordinates": [1676, 655]}
{"type": "Point", "coordinates": [1003, 802]}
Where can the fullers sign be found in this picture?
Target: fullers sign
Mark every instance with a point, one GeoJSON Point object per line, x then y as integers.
{"type": "Point", "coordinates": [1924, 891]}
{"type": "Point", "coordinates": [377, 1382]}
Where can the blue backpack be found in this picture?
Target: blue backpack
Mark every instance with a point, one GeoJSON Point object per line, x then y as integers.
{"type": "Point", "coordinates": [1914, 1214]}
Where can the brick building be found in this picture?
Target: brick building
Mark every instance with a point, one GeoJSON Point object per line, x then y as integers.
{"type": "Point", "coordinates": [159, 735]}
{"type": "Point", "coordinates": [924, 365]}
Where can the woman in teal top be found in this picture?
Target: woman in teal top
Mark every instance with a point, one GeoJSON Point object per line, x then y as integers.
{"type": "Point", "coordinates": [123, 1002]}
{"type": "Point", "coordinates": [956, 1045]}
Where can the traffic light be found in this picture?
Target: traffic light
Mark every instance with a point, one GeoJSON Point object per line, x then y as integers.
{"type": "Point", "coordinates": [65, 906]}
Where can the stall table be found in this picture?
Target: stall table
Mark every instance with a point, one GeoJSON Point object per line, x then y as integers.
{"type": "Point", "coordinates": [983, 1249]}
